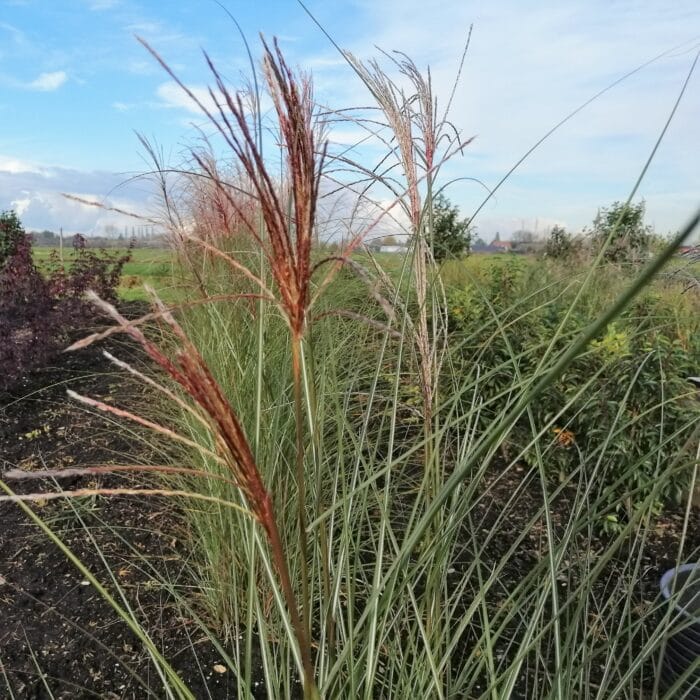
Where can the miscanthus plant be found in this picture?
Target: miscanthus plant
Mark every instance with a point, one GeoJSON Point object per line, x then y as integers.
{"type": "Point", "coordinates": [357, 530]}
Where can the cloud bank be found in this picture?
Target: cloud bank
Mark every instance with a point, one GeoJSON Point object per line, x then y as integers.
{"type": "Point", "coordinates": [36, 194]}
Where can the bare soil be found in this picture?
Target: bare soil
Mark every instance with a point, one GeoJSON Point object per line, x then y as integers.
{"type": "Point", "coordinates": [58, 636]}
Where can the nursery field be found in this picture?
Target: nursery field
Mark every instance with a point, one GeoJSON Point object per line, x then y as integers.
{"type": "Point", "coordinates": [301, 470]}
{"type": "Point", "coordinates": [168, 561]}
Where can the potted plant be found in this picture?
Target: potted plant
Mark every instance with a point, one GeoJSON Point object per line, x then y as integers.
{"type": "Point", "coordinates": [680, 587]}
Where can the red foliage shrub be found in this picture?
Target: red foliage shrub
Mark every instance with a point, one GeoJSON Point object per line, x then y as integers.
{"type": "Point", "coordinates": [38, 313]}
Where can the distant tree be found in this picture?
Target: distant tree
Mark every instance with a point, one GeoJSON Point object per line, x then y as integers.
{"type": "Point", "coordinates": [657, 242]}
{"type": "Point", "coordinates": [12, 235]}
{"type": "Point", "coordinates": [560, 243]}
{"type": "Point", "coordinates": [451, 235]}
{"type": "Point", "coordinates": [623, 225]}
{"type": "Point", "coordinates": [389, 240]}
{"type": "Point", "coordinates": [523, 236]}
{"type": "Point", "coordinates": [44, 237]}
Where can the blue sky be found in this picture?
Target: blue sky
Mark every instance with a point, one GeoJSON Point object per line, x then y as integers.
{"type": "Point", "coordinates": [75, 86]}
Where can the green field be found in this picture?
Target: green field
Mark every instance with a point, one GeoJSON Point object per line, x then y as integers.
{"type": "Point", "coordinates": [153, 266]}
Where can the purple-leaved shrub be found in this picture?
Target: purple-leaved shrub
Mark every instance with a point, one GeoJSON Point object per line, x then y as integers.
{"type": "Point", "coordinates": [39, 312]}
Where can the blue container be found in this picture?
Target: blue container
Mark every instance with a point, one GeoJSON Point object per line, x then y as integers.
{"type": "Point", "coordinates": [682, 654]}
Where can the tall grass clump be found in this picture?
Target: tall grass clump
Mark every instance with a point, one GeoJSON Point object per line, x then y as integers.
{"type": "Point", "coordinates": [375, 492]}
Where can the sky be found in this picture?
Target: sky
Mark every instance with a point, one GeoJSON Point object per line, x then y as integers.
{"type": "Point", "coordinates": [76, 88]}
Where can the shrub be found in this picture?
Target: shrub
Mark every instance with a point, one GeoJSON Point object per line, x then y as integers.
{"type": "Point", "coordinates": [28, 318]}
{"type": "Point", "coordinates": [38, 313]}
{"type": "Point", "coordinates": [626, 398]}
{"type": "Point", "coordinates": [99, 271]}
{"type": "Point", "coordinates": [637, 408]}
{"type": "Point", "coordinates": [560, 244]}
{"type": "Point", "coordinates": [622, 227]}
{"type": "Point", "coordinates": [11, 235]}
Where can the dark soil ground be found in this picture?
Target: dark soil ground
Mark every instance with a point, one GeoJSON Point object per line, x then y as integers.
{"type": "Point", "coordinates": [58, 637]}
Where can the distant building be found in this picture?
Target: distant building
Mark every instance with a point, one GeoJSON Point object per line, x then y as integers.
{"type": "Point", "coordinates": [500, 246]}
{"type": "Point", "coordinates": [496, 246]}
{"type": "Point", "coordinates": [689, 251]}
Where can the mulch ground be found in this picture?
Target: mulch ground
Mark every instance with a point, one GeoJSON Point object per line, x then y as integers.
{"type": "Point", "coordinates": [58, 637]}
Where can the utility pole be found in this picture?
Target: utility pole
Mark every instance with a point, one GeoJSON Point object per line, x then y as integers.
{"type": "Point", "coordinates": [60, 244]}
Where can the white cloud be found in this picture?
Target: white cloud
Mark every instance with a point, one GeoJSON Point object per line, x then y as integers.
{"type": "Point", "coordinates": [98, 5]}
{"type": "Point", "coordinates": [351, 136]}
{"type": "Point", "coordinates": [145, 28]}
{"type": "Point", "coordinates": [47, 82]}
{"type": "Point", "coordinates": [18, 36]}
{"type": "Point", "coordinates": [157, 33]}
{"type": "Point", "coordinates": [143, 67]}
{"type": "Point", "coordinates": [323, 62]}
{"type": "Point", "coordinates": [21, 205]}
{"type": "Point", "coordinates": [14, 166]}
{"type": "Point", "coordinates": [173, 96]}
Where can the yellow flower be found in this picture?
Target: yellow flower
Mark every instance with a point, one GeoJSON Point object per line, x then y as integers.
{"type": "Point", "coordinates": [565, 438]}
